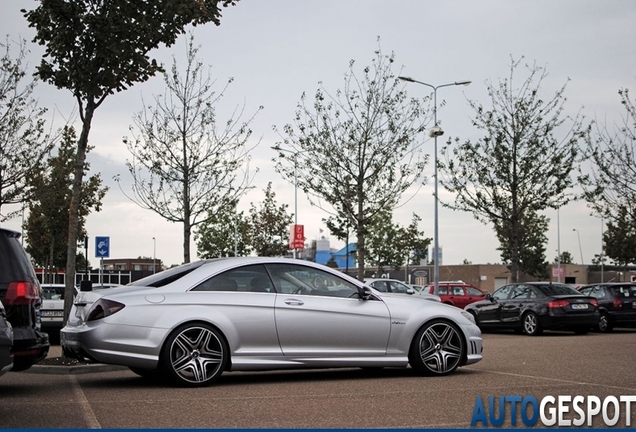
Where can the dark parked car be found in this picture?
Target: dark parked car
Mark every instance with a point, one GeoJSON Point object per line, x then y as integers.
{"type": "Point", "coordinates": [6, 342]}
{"type": "Point", "coordinates": [457, 293]}
{"type": "Point", "coordinates": [616, 303]}
{"type": "Point", "coordinates": [21, 295]}
{"type": "Point", "coordinates": [532, 307]}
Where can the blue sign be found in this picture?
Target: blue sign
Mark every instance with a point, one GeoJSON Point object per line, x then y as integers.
{"type": "Point", "coordinates": [102, 247]}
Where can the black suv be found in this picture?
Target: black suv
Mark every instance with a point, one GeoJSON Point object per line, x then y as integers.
{"type": "Point", "coordinates": [21, 295]}
{"type": "Point", "coordinates": [616, 302]}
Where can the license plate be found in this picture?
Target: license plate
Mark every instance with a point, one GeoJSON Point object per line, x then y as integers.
{"type": "Point", "coordinates": [54, 313]}
{"type": "Point", "coordinates": [579, 306]}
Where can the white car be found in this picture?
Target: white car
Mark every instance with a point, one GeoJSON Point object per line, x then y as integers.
{"type": "Point", "coordinates": [52, 309]}
{"type": "Point", "coordinates": [191, 323]}
{"type": "Point", "coordinates": [386, 285]}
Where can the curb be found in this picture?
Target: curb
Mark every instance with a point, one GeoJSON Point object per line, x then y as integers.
{"type": "Point", "coordinates": [74, 370]}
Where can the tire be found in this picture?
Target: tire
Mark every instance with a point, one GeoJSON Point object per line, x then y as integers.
{"type": "Point", "coordinates": [604, 326]}
{"type": "Point", "coordinates": [194, 355]}
{"type": "Point", "coordinates": [531, 325]}
{"type": "Point", "coordinates": [438, 348]}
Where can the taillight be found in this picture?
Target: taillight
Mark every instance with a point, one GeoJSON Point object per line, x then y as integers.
{"type": "Point", "coordinates": [103, 308]}
{"type": "Point", "coordinates": [558, 304]}
{"type": "Point", "coordinates": [594, 303]}
{"type": "Point", "coordinates": [21, 293]}
{"type": "Point", "coordinates": [617, 304]}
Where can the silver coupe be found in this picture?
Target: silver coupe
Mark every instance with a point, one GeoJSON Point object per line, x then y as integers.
{"type": "Point", "coordinates": [193, 322]}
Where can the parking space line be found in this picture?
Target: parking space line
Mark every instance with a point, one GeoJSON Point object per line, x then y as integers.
{"type": "Point", "coordinates": [553, 379]}
{"type": "Point", "coordinates": [83, 405]}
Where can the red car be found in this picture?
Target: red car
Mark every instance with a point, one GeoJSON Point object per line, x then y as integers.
{"type": "Point", "coordinates": [458, 293]}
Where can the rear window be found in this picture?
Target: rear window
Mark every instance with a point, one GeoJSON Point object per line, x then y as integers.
{"type": "Point", "coordinates": [14, 262]}
{"type": "Point", "coordinates": [624, 291]}
{"type": "Point", "coordinates": [167, 276]}
{"type": "Point", "coordinates": [556, 290]}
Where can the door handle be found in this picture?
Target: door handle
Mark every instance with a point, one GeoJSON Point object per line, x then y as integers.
{"type": "Point", "coordinates": [294, 302]}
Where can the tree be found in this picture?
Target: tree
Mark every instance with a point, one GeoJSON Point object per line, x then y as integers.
{"type": "Point", "coordinates": [564, 258]}
{"type": "Point", "coordinates": [620, 238]}
{"type": "Point", "coordinates": [610, 189]}
{"type": "Point", "coordinates": [47, 224]}
{"type": "Point", "coordinates": [269, 226]}
{"type": "Point", "coordinates": [392, 245]}
{"type": "Point", "coordinates": [23, 143]}
{"type": "Point", "coordinates": [185, 161]}
{"type": "Point", "coordinates": [518, 169]}
{"type": "Point", "coordinates": [225, 233]}
{"type": "Point", "coordinates": [97, 48]}
{"type": "Point", "coordinates": [356, 152]}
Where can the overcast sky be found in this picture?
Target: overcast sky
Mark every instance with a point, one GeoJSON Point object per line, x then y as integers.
{"type": "Point", "coordinates": [277, 49]}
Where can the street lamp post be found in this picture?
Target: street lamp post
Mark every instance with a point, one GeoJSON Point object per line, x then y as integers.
{"type": "Point", "coordinates": [580, 249]}
{"type": "Point", "coordinates": [435, 132]}
{"type": "Point", "coordinates": [154, 255]}
{"type": "Point", "coordinates": [295, 187]}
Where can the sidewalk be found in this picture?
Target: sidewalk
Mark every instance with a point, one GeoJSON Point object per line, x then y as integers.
{"type": "Point", "coordinates": [55, 351]}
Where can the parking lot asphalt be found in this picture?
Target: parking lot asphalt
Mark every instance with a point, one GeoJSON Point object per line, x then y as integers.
{"type": "Point", "coordinates": [550, 365]}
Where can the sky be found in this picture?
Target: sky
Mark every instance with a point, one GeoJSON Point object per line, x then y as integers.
{"type": "Point", "coordinates": [277, 49]}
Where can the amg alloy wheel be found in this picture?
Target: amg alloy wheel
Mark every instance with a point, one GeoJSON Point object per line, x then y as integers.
{"type": "Point", "coordinates": [437, 349]}
{"type": "Point", "coordinates": [195, 355]}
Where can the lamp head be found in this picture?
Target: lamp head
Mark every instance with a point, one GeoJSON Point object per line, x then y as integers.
{"type": "Point", "coordinates": [436, 131]}
{"type": "Point", "coordinates": [409, 79]}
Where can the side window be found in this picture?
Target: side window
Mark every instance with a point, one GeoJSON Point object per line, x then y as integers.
{"type": "Point", "coordinates": [397, 287]}
{"type": "Point", "coordinates": [521, 292]}
{"type": "Point", "coordinates": [379, 285]}
{"type": "Point", "coordinates": [458, 291]}
{"type": "Point", "coordinates": [503, 292]}
{"type": "Point", "coordinates": [301, 280]}
{"type": "Point", "coordinates": [252, 278]}
{"type": "Point", "coordinates": [443, 290]}
{"type": "Point", "coordinates": [473, 291]}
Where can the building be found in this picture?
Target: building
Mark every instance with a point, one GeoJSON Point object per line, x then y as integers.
{"type": "Point", "coordinates": [133, 264]}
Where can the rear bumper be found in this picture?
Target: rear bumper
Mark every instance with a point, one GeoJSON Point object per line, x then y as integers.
{"type": "Point", "coordinates": [29, 347]}
{"type": "Point", "coordinates": [569, 321]}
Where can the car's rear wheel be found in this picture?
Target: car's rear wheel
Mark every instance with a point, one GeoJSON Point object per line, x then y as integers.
{"type": "Point", "coordinates": [531, 324]}
{"type": "Point", "coordinates": [437, 349]}
{"type": "Point", "coordinates": [195, 355]}
{"type": "Point", "coordinates": [604, 326]}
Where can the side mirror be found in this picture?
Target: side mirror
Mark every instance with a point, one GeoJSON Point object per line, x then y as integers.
{"type": "Point", "coordinates": [410, 291]}
{"type": "Point", "coordinates": [365, 293]}
{"type": "Point", "coordinates": [490, 297]}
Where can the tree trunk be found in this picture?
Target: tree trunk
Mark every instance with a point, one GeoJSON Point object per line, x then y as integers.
{"type": "Point", "coordinates": [73, 217]}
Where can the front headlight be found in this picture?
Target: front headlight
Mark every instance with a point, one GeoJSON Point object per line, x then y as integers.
{"type": "Point", "coordinates": [469, 317]}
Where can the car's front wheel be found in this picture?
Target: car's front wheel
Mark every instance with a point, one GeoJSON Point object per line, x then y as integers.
{"type": "Point", "coordinates": [437, 349]}
{"type": "Point", "coordinates": [195, 355]}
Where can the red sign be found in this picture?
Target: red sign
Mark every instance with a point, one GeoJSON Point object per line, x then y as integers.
{"type": "Point", "coordinates": [558, 272]}
{"type": "Point", "coordinates": [297, 237]}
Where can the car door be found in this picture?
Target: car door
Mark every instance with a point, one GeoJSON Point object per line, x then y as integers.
{"type": "Point", "coordinates": [457, 296]}
{"type": "Point", "coordinates": [490, 311]}
{"type": "Point", "coordinates": [332, 322]}
{"type": "Point", "coordinates": [512, 307]}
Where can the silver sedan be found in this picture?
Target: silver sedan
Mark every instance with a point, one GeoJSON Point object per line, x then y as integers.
{"type": "Point", "coordinates": [193, 322]}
